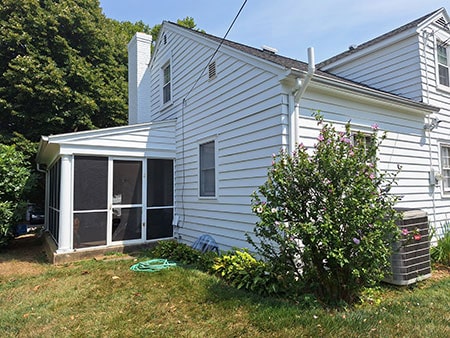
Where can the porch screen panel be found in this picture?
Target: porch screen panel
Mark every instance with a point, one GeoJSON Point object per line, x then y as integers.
{"type": "Point", "coordinates": [160, 183]}
{"type": "Point", "coordinates": [90, 183]}
{"type": "Point", "coordinates": [159, 223]}
{"type": "Point", "coordinates": [127, 182]}
{"type": "Point", "coordinates": [89, 229]}
{"type": "Point", "coordinates": [159, 198]}
{"type": "Point", "coordinates": [126, 224]}
{"type": "Point", "coordinates": [90, 201]}
{"type": "Point", "coordinates": [53, 200]}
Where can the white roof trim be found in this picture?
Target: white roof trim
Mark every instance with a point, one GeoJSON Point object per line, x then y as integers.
{"type": "Point", "coordinates": [111, 141]}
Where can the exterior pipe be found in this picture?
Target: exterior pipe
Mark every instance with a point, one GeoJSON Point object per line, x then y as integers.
{"type": "Point", "coordinates": [299, 90]}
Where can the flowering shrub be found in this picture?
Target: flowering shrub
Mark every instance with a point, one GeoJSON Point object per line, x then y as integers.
{"type": "Point", "coordinates": [326, 216]}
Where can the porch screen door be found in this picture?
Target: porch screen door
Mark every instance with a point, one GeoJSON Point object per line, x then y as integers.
{"type": "Point", "coordinates": [126, 200]}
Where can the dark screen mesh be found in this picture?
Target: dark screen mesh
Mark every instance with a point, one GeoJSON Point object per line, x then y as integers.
{"type": "Point", "coordinates": [90, 183]}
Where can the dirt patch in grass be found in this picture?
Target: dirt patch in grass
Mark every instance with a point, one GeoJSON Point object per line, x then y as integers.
{"type": "Point", "coordinates": [24, 255]}
{"type": "Point", "coordinates": [440, 271]}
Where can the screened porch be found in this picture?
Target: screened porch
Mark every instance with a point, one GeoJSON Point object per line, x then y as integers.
{"type": "Point", "coordinates": [109, 187]}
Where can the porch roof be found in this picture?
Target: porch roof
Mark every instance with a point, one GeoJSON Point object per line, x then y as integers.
{"type": "Point", "coordinates": [153, 139]}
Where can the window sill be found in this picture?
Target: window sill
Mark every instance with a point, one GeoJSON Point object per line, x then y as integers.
{"type": "Point", "coordinates": [207, 197]}
{"type": "Point", "coordinates": [443, 89]}
{"type": "Point", "coordinates": [166, 105]}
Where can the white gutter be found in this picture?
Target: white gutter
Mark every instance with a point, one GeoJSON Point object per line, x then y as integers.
{"type": "Point", "coordinates": [299, 90]}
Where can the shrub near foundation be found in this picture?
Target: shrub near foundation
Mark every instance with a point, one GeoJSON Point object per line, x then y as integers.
{"type": "Point", "coordinates": [327, 220]}
{"type": "Point", "coordinates": [14, 175]}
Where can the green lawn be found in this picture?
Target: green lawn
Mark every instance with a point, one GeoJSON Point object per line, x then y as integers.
{"type": "Point", "coordinates": [103, 298]}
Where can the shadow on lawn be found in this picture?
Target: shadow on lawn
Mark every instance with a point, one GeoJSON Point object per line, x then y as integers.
{"type": "Point", "coordinates": [25, 248]}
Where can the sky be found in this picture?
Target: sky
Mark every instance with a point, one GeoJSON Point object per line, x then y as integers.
{"type": "Point", "coordinates": [290, 26]}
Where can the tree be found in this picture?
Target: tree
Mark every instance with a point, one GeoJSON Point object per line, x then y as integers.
{"type": "Point", "coordinates": [187, 22]}
{"type": "Point", "coordinates": [14, 182]}
{"type": "Point", "coordinates": [63, 67]}
{"type": "Point", "coordinates": [327, 219]}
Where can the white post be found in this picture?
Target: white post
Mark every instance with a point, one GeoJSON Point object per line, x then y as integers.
{"type": "Point", "coordinates": [65, 214]}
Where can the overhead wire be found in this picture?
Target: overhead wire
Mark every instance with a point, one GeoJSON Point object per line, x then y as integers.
{"type": "Point", "coordinates": [183, 105]}
{"type": "Point", "coordinates": [216, 50]}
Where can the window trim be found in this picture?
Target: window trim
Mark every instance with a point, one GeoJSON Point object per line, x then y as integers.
{"type": "Point", "coordinates": [366, 133]}
{"type": "Point", "coordinates": [439, 85]}
{"type": "Point", "coordinates": [167, 84]}
{"type": "Point", "coordinates": [445, 191]}
{"type": "Point", "coordinates": [200, 144]}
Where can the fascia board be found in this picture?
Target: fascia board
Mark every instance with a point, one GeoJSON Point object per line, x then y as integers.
{"type": "Point", "coordinates": [89, 134]}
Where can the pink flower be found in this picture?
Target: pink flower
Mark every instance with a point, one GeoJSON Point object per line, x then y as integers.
{"type": "Point", "coordinates": [320, 137]}
{"type": "Point", "coordinates": [375, 126]}
{"type": "Point", "coordinates": [372, 176]}
{"type": "Point", "coordinates": [405, 232]}
{"type": "Point", "coordinates": [356, 241]}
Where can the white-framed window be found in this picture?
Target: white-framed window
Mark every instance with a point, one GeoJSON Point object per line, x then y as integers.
{"type": "Point", "coordinates": [445, 167]}
{"type": "Point", "coordinates": [166, 83]}
{"type": "Point", "coordinates": [361, 139]}
{"type": "Point", "coordinates": [443, 64]}
{"type": "Point", "coordinates": [207, 169]}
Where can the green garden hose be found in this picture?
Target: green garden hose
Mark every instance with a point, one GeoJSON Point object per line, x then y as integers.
{"type": "Point", "coordinates": [153, 265]}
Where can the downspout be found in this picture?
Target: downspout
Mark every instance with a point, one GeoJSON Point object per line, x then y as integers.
{"type": "Point", "coordinates": [299, 89]}
{"type": "Point", "coordinates": [426, 36]}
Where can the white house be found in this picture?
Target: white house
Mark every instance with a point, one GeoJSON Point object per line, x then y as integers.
{"type": "Point", "coordinates": [413, 62]}
{"type": "Point", "coordinates": [206, 115]}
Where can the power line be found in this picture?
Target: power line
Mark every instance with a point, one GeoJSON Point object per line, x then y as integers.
{"type": "Point", "coordinates": [215, 52]}
{"type": "Point", "coordinates": [183, 178]}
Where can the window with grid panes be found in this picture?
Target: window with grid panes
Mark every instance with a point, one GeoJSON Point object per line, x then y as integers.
{"type": "Point", "coordinates": [207, 170]}
{"type": "Point", "coordinates": [445, 163]}
{"type": "Point", "coordinates": [167, 95]}
{"type": "Point", "coordinates": [442, 56]}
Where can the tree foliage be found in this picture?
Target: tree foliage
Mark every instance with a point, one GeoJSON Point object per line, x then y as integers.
{"type": "Point", "coordinates": [327, 219]}
{"type": "Point", "coordinates": [63, 67]}
{"type": "Point", "coordinates": [14, 181]}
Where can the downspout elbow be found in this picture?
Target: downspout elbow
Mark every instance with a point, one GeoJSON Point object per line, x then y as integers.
{"type": "Point", "coordinates": [302, 84]}
{"type": "Point", "coordinates": [299, 89]}
{"type": "Point", "coordinates": [38, 168]}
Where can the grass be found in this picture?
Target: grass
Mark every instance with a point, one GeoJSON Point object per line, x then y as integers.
{"type": "Point", "coordinates": [103, 298]}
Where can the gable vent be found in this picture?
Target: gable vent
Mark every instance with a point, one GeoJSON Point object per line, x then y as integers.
{"type": "Point", "coordinates": [212, 70]}
{"type": "Point", "coordinates": [441, 22]}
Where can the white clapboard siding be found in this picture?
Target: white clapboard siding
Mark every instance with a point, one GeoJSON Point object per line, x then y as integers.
{"type": "Point", "coordinates": [245, 109]}
{"type": "Point", "coordinates": [407, 67]}
{"type": "Point", "coordinates": [405, 142]}
{"type": "Point", "coordinates": [393, 68]}
{"type": "Point", "coordinates": [241, 110]}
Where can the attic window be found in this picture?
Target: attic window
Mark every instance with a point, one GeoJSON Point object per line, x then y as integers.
{"type": "Point", "coordinates": [165, 39]}
{"type": "Point", "coordinates": [443, 64]}
{"type": "Point", "coordinates": [212, 70]}
{"type": "Point", "coordinates": [167, 86]}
